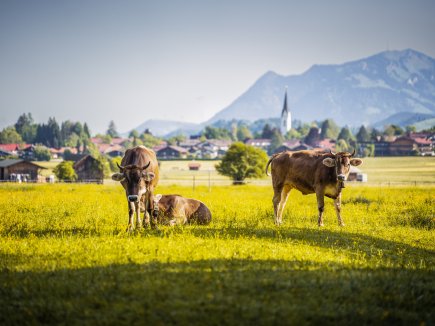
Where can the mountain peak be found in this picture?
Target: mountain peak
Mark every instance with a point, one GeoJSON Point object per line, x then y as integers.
{"type": "Point", "coordinates": [359, 92]}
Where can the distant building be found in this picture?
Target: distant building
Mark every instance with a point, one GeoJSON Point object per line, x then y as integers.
{"type": "Point", "coordinates": [19, 170]}
{"type": "Point", "coordinates": [171, 152]}
{"type": "Point", "coordinates": [263, 143]}
{"type": "Point", "coordinates": [89, 168]}
{"type": "Point", "coordinates": [286, 117]}
{"type": "Point", "coordinates": [194, 166]}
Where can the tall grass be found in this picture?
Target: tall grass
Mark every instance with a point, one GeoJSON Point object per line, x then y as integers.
{"type": "Point", "coordinates": [65, 258]}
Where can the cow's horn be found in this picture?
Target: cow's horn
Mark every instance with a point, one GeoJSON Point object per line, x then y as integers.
{"type": "Point", "coordinates": [143, 168]}
{"type": "Point", "coordinates": [120, 166]}
{"type": "Point", "coordinates": [353, 153]}
{"type": "Point", "coordinates": [330, 150]}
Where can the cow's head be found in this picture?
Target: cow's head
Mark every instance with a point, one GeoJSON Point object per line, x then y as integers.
{"type": "Point", "coordinates": [342, 162]}
{"type": "Point", "coordinates": [134, 179]}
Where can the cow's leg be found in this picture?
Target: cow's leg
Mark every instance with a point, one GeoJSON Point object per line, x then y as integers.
{"type": "Point", "coordinates": [131, 210]}
{"type": "Point", "coordinates": [337, 204]}
{"type": "Point", "coordinates": [281, 198]}
{"type": "Point", "coordinates": [138, 219]}
{"type": "Point", "coordinates": [180, 217]}
{"type": "Point", "coordinates": [146, 218]}
{"type": "Point", "coordinates": [150, 216]}
{"type": "Point", "coordinates": [320, 205]}
{"type": "Point", "coordinates": [146, 215]}
{"type": "Point", "coordinates": [275, 200]}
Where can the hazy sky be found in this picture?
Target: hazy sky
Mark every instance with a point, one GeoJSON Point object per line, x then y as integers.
{"type": "Point", "coordinates": [130, 61]}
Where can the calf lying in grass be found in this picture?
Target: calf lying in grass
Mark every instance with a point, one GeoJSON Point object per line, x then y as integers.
{"type": "Point", "coordinates": [175, 209]}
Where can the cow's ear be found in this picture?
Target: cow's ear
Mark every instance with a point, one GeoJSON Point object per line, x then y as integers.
{"type": "Point", "coordinates": [356, 161]}
{"type": "Point", "coordinates": [157, 198]}
{"type": "Point", "coordinates": [329, 162]}
{"type": "Point", "coordinates": [118, 176]}
{"type": "Point", "coordinates": [148, 176]}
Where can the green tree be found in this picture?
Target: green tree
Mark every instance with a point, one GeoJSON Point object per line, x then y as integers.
{"type": "Point", "coordinates": [410, 129]}
{"type": "Point", "coordinates": [42, 153]}
{"type": "Point", "coordinates": [111, 131]}
{"type": "Point", "coordinates": [242, 161]}
{"type": "Point", "coordinates": [211, 132]}
{"type": "Point", "coordinates": [267, 132]}
{"type": "Point", "coordinates": [86, 130]}
{"type": "Point", "coordinates": [26, 127]}
{"type": "Point", "coordinates": [112, 163]}
{"type": "Point", "coordinates": [293, 134]}
{"type": "Point", "coordinates": [64, 171]}
{"type": "Point", "coordinates": [148, 140]}
{"type": "Point", "coordinates": [276, 141]}
{"type": "Point", "coordinates": [304, 129]}
{"type": "Point", "coordinates": [10, 136]}
{"type": "Point", "coordinates": [346, 134]}
{"type": "Point", "coordinates": [342, 146]}
{"type": "Point", "coordinates": [329, 129]}
{"type": "Point", "coordinates": [313, 136]}
{"type": "Point", "coordinates": [363, 135]}
{"type": "Point", "coordinates": [393, 130]}
{"type": "Point", "coordinates": [243, 133]}
{"type": "Point", "coordinates": [106, 139]}
{"type": "Point", "coordinates": [133, 134]}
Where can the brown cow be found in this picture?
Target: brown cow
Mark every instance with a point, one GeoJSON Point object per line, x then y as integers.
{"type": "Point", "coordinates": [139, 174]}
{"type": "Point", "coordinates": [310, 172]}
{"type": "Point", "coordinates": [181, 210]}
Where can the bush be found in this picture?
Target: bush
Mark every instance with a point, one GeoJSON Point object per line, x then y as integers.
{"type": "Point", "coordinates": [64, 171]}
{"type": "Point", "coordinates": [42, 153]}
{"type": "Point", "coordinates": [242, 161]}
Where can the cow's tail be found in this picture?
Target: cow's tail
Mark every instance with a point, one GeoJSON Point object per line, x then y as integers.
{"type": "Point", "coordinates": [270, 161]}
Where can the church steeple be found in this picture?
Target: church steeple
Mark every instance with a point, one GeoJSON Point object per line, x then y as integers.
{"type": "Point", "coordinates": [286, 117]}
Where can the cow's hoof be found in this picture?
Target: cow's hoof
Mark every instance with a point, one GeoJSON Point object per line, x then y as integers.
{"type": "Point", "coordinates": [341, 224]}
{"type": "Point", "coordinates": [321, 224]}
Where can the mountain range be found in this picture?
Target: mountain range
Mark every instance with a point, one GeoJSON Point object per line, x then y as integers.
{"type": "Point", "coordinates": [390, 87]}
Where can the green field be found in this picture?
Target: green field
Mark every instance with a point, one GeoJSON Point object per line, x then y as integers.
{"type": "Point", "coordinates": [66, 259]}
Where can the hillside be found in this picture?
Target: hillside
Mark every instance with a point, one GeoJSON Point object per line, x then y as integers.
{"type": "Point", "coordinates": [363, 91]}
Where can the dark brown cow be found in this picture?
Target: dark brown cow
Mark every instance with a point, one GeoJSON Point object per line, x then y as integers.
{"type": "Point", "coordinates": [310, 172]}
{"type": "Point", "coordinates": [181, 210]}
{"type": "Point", "coordinates": [139, 175]}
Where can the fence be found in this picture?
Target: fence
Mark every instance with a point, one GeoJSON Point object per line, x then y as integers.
{"type": "Point", "coordinates": [209, 182]}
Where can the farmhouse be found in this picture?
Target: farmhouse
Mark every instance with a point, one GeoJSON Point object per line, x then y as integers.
{"type": "Point", "coordinates": [17, 169]}
{"type": "Point", "coordinates": [89, 168]}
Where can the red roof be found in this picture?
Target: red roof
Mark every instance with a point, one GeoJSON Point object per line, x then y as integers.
{"type": "Point", "coordinates": [423, 141]}
{"type": "Point", "coordinates": [13, 147]}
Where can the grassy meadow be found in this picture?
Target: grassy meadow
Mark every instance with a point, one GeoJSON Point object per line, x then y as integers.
{"type": "Point", "coordinates": [66, 259]}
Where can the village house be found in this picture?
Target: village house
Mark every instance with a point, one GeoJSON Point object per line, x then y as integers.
{"type": "Point", "coordinates": [171, 152]}
{"type": "Point", "coordinates": [213, 148]}
{"type": "Point", "coordinates": [263, 143]}
{"type": "Point", "coordinates": [16, 149]}
{"type": "Point", "coordinates": [19, 170]}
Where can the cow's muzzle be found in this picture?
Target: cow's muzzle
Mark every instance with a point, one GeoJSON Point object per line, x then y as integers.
{"type": "Point", "coordinates": [133, 198]}
{"type": "Point", "coordinates": [341, 177]}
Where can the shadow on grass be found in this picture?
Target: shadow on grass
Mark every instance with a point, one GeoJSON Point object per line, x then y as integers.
{"type": "Point", "coordinates": [316, 237]}
{"type": "Point", "coordinates": [217, 292]}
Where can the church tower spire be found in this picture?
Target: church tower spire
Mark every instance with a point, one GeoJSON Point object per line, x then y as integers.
{"type": "Point", "coordinates": [286, 117]}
